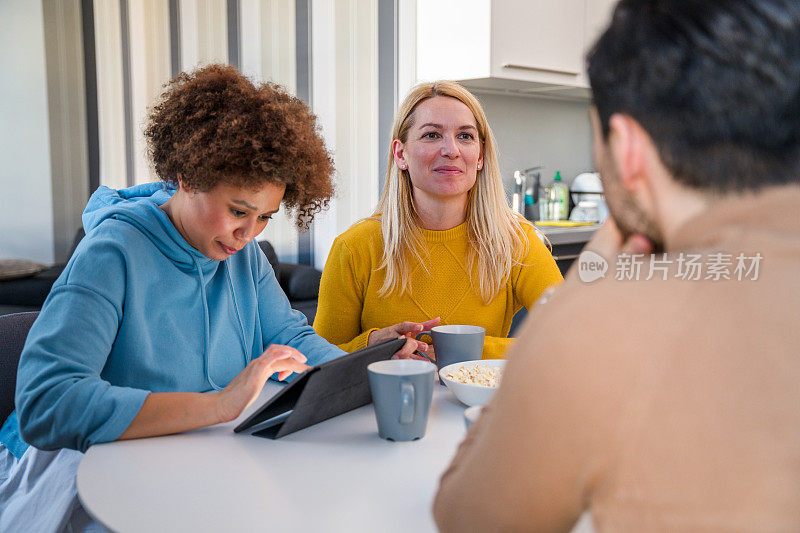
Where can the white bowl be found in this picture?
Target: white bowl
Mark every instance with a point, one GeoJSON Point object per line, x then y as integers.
{"type": "Point", "coordinates": [471, 414]}
{"type": "Point", "coordinates": [470, 394]}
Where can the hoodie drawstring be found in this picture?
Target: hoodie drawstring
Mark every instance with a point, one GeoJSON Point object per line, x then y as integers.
{"type": "Point", "coordinates": [247, 355]}
{"type": "Point", "coordinates": [207, 325]}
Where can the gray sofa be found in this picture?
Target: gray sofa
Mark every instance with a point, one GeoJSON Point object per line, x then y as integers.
{"type": "Point", "coordinates": [299, 282]}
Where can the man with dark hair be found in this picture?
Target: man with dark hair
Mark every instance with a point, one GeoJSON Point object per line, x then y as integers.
{"type": "Point", "coordinates": [658, 387]}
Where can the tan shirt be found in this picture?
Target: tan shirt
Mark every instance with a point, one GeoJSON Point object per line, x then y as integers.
{"type": "Point", "coordinates": [657, 405]}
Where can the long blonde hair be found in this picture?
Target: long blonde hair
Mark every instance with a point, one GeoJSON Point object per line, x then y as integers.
{"type": "Point", "coordinates": [495, 233]}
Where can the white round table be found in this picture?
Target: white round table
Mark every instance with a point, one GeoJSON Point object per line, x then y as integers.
{"type": "Point", "coordinates": [335, 476]}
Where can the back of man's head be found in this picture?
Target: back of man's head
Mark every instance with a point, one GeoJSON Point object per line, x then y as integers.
{"type": "Point", "coordinates": [716, 84]}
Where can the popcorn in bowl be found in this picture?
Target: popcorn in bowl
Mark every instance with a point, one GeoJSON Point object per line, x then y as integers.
{"type": "Point", "coordinates": [473, 382]}
{"type": "Point", "coordinates": [483, 375]}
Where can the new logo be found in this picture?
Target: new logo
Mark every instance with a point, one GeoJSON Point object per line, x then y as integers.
{"type": "Point", "coordinates": [591, 266]}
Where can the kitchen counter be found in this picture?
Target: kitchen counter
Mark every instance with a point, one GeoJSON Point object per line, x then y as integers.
{"type": "Point", "coordinates": [578, 234]}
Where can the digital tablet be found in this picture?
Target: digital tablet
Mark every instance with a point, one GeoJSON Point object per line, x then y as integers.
{"type": "Point", "coordinates": [321, 392]}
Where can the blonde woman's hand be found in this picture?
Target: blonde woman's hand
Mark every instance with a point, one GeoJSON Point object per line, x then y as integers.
{"type": "Point", "coordinates": [245, 387]}
{"type": "Point", "coordinates": [410, 331]}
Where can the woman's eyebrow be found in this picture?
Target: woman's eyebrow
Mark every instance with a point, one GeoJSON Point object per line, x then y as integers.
{"type": "Point", "coordinates": [252, 207]}
{"type": "Point", "coordinates": [439, 126]}
{"type": "Point", "coordinates": [245, 204]}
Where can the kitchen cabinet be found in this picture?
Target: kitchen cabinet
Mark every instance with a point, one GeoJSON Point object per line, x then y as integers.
{"type": "Point", "coordinates": [598, 15]}
{"type": "Point", "coordinates": [536, 38]}
{"type": "Point", "coordinates": [518, 46]}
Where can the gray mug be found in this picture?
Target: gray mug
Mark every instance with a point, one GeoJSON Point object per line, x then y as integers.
{"type": "Point", "coordinates": [401, 392]}
{"type": "Point", "coordinates": [456, 343]}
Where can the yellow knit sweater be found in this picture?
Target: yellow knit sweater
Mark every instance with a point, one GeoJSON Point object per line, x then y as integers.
{"type": "Point", "coordinates": [350, 308]}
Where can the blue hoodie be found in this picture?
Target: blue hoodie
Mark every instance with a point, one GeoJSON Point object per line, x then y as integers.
{"type": "Point", "coordinates": [139, 310]}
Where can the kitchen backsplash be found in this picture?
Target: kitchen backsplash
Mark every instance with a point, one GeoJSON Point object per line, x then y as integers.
{"type": "Point", "coordinates": [537, 131]}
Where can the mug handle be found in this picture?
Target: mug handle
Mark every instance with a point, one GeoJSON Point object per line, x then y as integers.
{"type": "Point", "coordinates": [421, 333]}
{"type": "Point", "coordinates": [406, 402]}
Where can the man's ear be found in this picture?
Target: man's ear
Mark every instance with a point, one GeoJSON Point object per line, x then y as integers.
{"type": "Point", "coordinates": [628, 144]}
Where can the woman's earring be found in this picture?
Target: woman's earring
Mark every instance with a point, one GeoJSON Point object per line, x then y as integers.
{"type": "Point", "coordinates": [480, 166]}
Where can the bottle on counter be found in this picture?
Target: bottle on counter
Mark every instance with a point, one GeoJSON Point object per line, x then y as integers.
{"type": "Point", "coordinates": [556, 200]}
{"type": "Point", "coordinates": [530, 205]}
{"type": "Point", "coordinates": [517, 198]}
{"type": "Point", "coordinates": [527, 197]}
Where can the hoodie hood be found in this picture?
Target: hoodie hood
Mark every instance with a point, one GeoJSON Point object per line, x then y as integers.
{"type": "Point", "coordinates": [140, 206]}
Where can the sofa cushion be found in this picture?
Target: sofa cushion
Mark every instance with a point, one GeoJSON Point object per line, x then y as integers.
{"type": "Point", "coordinates": [307, 307]}
{"type": "Point", "coordinates": [301, 282]}
{"type": "Point", "coordinates": [269, 251]}
{"type": "Point", "coordinates": [19, 268]}
{"type": "Point", "coordinates": [31, 291]}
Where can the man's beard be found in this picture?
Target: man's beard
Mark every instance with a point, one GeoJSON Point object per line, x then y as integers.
{"type": "Point", "coordinates": [629, 217]}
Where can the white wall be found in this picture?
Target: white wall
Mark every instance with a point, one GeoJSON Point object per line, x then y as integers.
{"type": "Point", "coordinates": [267, 53]}
{"type": "Point", "coordinates": [26, 205]}
{"type": "Point", "coordinates": [66, 93]}
{"type": "Point", "coordinates": [442, 52]}
{"type": "Point", "coordinates": [535, 131]}
{"type": "Point", "coordinates": [345, 100]}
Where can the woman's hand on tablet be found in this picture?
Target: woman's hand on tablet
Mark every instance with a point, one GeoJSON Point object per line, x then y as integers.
{"type": "Point", "coordinates": [245, 387]}
{"type": "Point", "coordinates": [164, 413]}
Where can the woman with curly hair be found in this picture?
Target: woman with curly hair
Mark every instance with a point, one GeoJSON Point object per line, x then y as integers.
{"type": "Point", "coordinates": [442, 244]}
{"type": "Point", "coordinates": [168, 296]}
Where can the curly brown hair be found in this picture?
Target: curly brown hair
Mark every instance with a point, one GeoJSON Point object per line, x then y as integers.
{"type": "Point", "coordinates": [215, 126]}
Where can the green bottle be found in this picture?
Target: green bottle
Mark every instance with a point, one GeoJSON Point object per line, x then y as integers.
{"type": "Point", "coordinates": [557, 196]}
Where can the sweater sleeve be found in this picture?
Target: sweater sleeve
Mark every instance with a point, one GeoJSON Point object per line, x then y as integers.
{"type": "Point", "coordinates": [61, 399]}
{"type": "Point", "coordinates": [341, 300]}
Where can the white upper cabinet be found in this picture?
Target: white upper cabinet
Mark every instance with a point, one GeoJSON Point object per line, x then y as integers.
{"type": "Point", "coordinates": [524, 46]}
{"type": "Point", "coordinates": [598, 15]}
{"type": "Point", "coordinates": [532, 37]}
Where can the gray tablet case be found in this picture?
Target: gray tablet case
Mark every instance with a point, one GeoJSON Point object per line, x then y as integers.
{"type": "Point", "coordinates": [321, 392]}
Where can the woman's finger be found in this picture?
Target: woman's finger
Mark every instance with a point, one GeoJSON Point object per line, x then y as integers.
{"type": "Point", "coordinates": [406, 328]}
{"type": "Point", "coordinates": [433, 322]}
{"type": "Point", "coordinates": [275, 359]}
{"type": "Point", "coordinates": [290, 364]}
{"type": "Point", "coordinates": [285, 370]}
{"type": "Point", "coordinates": [407, 349]}
{"type": "Point", "coordinates": [424, 346]}
{"type": "Point", "coordinates": [279, 351]}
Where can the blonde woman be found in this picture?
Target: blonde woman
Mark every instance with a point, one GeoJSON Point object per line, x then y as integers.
{"type": "Point", "coordinates": [442, 246]}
